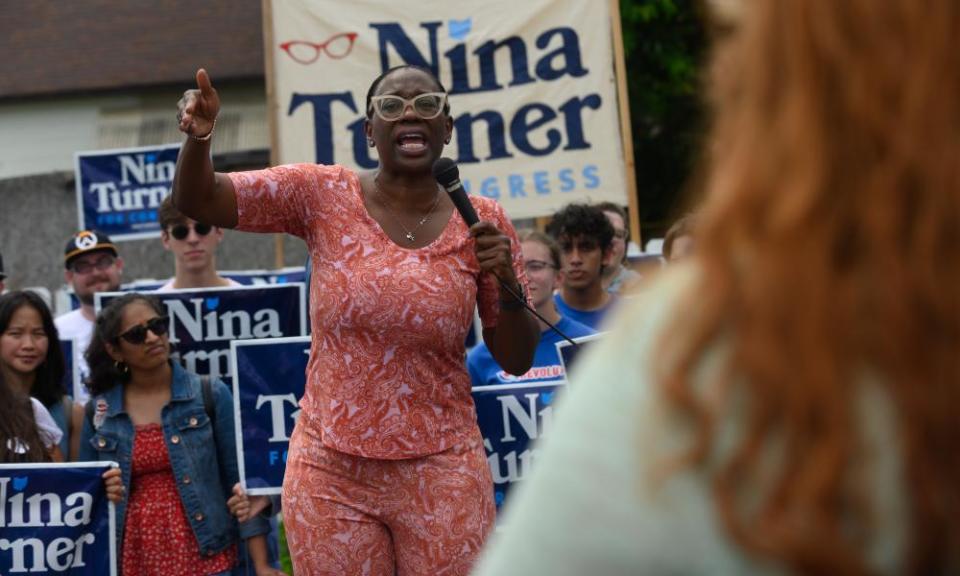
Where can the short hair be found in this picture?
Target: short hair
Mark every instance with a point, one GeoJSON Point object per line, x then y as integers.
{"type": "Point", "coordinates": [684, 226]}
{"type": "Point", "coordinates": [616, 209]}
{"type": "Point", "coordinates": [168, 215]}
{"type": "Point", "coordinates": [371, 92]}
{"type": "Point", "coordinates": [540, 237]}
{"type": "Point", "coordinates": [582, 220]}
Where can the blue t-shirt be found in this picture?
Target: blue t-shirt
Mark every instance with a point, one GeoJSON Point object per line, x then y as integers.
{"type": "Point", "coordinates": [591, 318]}
{"type": "Point", "coordinates": [546, 364]}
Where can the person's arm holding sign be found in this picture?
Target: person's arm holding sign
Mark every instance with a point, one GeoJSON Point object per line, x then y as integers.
{"type": "Point", "coordinates": [198, 191]}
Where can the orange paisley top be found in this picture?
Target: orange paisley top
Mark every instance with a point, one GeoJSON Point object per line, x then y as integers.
{"type": "Point", "coordinates": [386, 376]}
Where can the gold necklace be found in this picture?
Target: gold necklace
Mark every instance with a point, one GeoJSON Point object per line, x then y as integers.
{"type": "Point", "coordinates": [408, 233]}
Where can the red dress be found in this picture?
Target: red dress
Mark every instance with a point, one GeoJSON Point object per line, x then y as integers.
{"type": "Point", "coordinates": [157, 538]}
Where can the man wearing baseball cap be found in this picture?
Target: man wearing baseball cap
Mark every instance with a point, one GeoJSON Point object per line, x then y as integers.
{"type": "Point", "coordinates": [92, 265]}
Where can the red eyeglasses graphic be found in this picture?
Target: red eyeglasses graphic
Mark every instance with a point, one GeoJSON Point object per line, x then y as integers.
{"type": "Point", "coordinates": [335, 47]}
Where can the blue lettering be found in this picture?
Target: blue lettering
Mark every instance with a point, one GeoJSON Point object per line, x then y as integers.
{"type": "Point", "coordinates": [574, 122]}
{"type": "Point", "coordinates": [590, 177]}
{"type": "Point", "coordinates": [516, 186]}
{"type": "Point", "coordinates": [566, 180]}
{"type": "Point", "coordinates": [322, 124]}
{"type": "Point", "coordinates": [569, 50]}
{"type": "Point", "coordinates": [463, 126]}
{"type": "Point", "coordinates": [520, 127]}
{"type": "Point", "coordinates": [392, 35]}
{"type": "Point", "coordinates": [541, 182]}
{"type": "Point", "coordinates": [489, 188]}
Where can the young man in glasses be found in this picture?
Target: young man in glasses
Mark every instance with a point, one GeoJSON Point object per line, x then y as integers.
{"type": "Point", "coordinates": [541, 258]}
{"type": "Point", "coordinates": [194, 247]}
{"type": "Point", "coordinates": [92, 265]}
{"type": "Point", "coordinates": [585, 237]}
{"type": "Point", "coordinates": [616, 276]}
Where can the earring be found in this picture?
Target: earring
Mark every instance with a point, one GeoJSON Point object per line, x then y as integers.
{"type": "Point", "coordinates": [371, 143]}
{"type": "Point", "coordinates": [446, 141]}
{"type": "Point", "coordinates": [121, 367]}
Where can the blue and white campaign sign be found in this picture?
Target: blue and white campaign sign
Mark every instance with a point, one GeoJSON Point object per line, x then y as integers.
{"type": "Point", "coordinates": [204, 321]}
{"type": "Point", "coordinates": [511, 417]}
{"type": "Point", "coordinates": [531, 88]}
{"type": "Point", "coordinates": [56, 519]}
{"type": "Point", "coordinates": [270, 377]}
{"type": "Point", "coordinates": [119, 191]}
{"type": "Point", "coordinates": [287, 275]}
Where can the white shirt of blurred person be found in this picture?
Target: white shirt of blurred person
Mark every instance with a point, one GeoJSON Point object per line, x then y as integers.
{"type": "Point", "coordinates": [584, 235]}
{"type": "Point", "coordinates": [616, 276]}
{"type": "Point", "coordinates": [194, 247]}
{"type": "Point", "coordinates": [678, 243]}
{"type": "Point", "coordinates": [92, 265]}
{"type": "Point", "coordinates": [541, 259]}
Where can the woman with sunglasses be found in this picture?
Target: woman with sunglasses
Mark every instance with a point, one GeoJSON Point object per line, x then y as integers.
{"type": "Point", "coordinates": [194, 248]}
{"type": "Point", "coordinates": [174, 442]}
{"type": "Point", "coordinates": [386, 470]}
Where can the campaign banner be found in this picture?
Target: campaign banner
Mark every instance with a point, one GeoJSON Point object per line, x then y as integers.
{"type": "Point", "coordinates": [532, 90]}
{"type": "Point", "coordinates": [119, 191]}
{"type": "Point", "coordinates": [56, 519]}
{"type": "Point", "coordinates": [511, 417]}
{"type": "Point", "coordinates": [204, 321]}
{"type": "Point", "coordinates": [269, 382]}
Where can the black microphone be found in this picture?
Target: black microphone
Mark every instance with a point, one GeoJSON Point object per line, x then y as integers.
{"type": "Point", "coordinates": [448, 175]}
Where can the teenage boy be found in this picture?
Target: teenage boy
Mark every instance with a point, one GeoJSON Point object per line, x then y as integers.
{"type": "Point", "coordinates": [541, 258]}
{"type": "Point", "coordinates": [194, 247]}
{"type": "Point", "coordinates": [585, 237]}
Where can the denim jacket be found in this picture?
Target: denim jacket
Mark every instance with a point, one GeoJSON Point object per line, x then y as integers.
{"type": "Point", "coordinates": [203, 456]}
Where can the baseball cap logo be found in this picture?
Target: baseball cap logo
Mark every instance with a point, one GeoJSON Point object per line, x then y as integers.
{"type": "Point", "coordinates": [85, 240]}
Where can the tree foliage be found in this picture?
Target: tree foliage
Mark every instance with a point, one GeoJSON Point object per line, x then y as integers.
{"type": "Point", "coordinates": [665, 45]}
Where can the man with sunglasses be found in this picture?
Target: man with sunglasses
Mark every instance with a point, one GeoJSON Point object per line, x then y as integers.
{"type": "Point", "coordinates": [92, 265]}
{"type": "Point", "coordinates": [194, 247]}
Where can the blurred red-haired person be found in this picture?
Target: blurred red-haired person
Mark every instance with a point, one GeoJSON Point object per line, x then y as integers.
{"type": "Point", "coordinates": [785, 401]}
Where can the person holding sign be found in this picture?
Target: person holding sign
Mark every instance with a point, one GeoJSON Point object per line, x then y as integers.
{"type": "Point", "coordinates": [173, 436]}
{"type": "Point", "coordinates": [386, 471]}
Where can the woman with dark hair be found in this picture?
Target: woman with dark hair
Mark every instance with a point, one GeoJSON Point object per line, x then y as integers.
{"type": "Point", "coordinates": [33, 364]}
{"type": "Point", "coordinates": [174, 439]}
{"type": "Point", "coordinates": [785, 400]}
{"type": "Point", "coordinates": [27, 433]}
{"type": "Point", "coordinates": [386, 471]}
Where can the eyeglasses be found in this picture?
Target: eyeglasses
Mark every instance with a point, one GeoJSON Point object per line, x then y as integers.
{"type": "Point", "coordinates": [138, 334]}
{"type": "Point", "coordinates": [181, 231]}
{"type": "Point", "coordinates": [85, 267]}
{"type": "Point", "coordinates": [536, 265]}
{"type": "Point", "coordinates": [390, 107]}
{"type": "Point", "coordinates": [335, 47]}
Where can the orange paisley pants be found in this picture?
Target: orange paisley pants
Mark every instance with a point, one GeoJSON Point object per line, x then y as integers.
{"type": "Point", "coordinates": [347, 514]}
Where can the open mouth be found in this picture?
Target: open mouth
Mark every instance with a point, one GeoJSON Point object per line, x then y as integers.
{"type": "Point", "coordinates": [412, 142]}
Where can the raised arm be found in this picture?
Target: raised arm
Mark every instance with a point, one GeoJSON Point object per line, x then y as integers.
{"type": "Point", "coordinates": [198, 191]}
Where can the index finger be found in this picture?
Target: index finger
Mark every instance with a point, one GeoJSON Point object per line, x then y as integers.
{"type": "Point", "coordinates": [203, 83]}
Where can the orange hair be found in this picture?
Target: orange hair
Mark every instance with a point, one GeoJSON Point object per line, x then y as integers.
{"type": "Point", "coordinates": [830, 244]}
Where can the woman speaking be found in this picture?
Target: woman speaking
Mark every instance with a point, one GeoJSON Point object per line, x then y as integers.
{"type": "Point", "coordinates": [386, 471]}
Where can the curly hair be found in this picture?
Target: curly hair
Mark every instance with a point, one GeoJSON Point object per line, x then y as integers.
{"type": "Point", "coordinates": [104, 374]}
{"type": "Point", "coordinates": [830, 239]}
{"type": "Point", "coordinates": [574, 220]}
{"type": "Point", "coordinates": [48, 385]}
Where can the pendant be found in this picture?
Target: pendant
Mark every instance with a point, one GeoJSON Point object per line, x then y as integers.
{"type": "Point", "coordinates": [411, 237]}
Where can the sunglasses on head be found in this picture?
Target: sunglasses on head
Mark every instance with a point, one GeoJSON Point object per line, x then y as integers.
{"type": "Point", "coordinates": [391, 108]}
{"type": "Point", "coordinates": [181, 231]}
{"type": "Point", "coordinates": [138, 334]}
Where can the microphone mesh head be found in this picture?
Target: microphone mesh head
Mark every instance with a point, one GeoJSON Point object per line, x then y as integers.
{"type": "Point", "coordinates": [445, 171]}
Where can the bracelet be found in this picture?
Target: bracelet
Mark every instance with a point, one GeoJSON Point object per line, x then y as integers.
{"type": "Point", "coordinates": [208, 135]}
